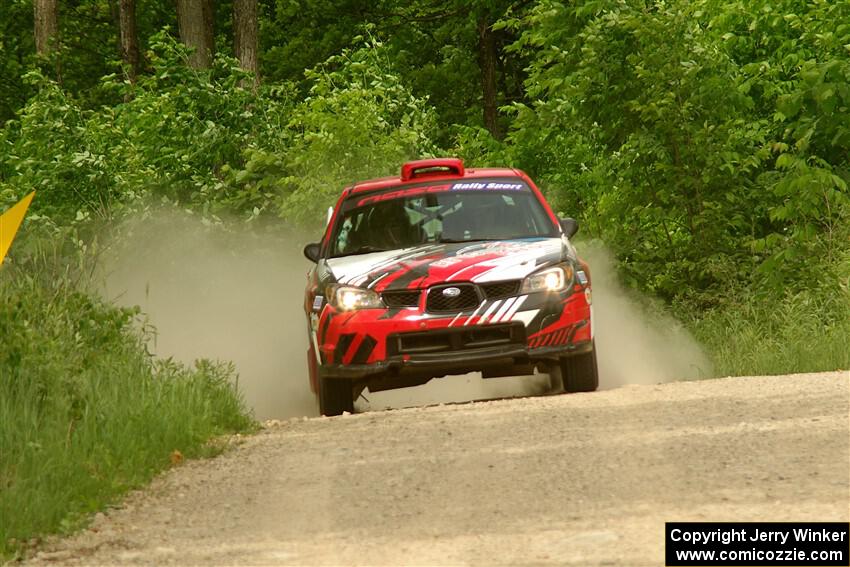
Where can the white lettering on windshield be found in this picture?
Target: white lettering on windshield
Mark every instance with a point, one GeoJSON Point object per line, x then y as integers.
{"type": "Point", "coordinates": [473, 185]}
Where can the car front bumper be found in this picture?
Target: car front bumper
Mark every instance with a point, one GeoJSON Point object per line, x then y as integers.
{"type": "Point", "coordinates": [458, 362]}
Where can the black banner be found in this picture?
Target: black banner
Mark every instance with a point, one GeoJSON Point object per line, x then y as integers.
{"type": "Point", "coordinates": [763, 544]}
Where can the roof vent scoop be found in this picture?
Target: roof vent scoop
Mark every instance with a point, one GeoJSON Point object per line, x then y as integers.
{"type": "Point", "coordinates": [438, 167]}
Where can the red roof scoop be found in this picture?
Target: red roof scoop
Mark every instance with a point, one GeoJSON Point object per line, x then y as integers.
{"type": "Point", "coordinates": [431, 168]}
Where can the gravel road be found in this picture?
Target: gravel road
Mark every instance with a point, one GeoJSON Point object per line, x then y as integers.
{"type": "Point", "coordinates": [582, 479]}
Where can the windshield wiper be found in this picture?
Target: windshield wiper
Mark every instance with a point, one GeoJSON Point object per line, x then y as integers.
{"type": "Point", "coordinates": [457, 240]}
{"type": "Point", "coordinates": [362, 250]}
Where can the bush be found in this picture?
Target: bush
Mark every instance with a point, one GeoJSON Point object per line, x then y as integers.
{"type": "Point", "coordinates": [174, 137]}
{"type": "Point", "coordinates": [802, 332]}
{"type": "Point", "coordinates": [358, 121]}
{"type": "Point", "coordinates": [86, 413]}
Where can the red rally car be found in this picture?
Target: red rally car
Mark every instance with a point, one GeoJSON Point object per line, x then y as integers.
{"type": "Point", "coordinates": [445, 270]}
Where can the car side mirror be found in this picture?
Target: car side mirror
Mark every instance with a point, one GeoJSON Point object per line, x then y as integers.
{"type": "Point", "coordinates": [312, 251]}
{"type": "Point", "coordinates": [569, 226]}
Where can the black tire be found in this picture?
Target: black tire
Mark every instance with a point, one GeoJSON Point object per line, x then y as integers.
{"type": "Point", "coordinates": [335, 396]}
{"type": "Point", "coordinates": [580, 372]}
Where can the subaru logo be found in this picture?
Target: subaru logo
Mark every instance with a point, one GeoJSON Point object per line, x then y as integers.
{"type": "Point", "coordinates": [451, 292]}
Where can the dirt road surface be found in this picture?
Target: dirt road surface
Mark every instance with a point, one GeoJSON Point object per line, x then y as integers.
{"type": "Point", "coordinates": [583, 479]}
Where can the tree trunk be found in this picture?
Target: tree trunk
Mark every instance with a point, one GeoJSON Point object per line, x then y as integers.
{"type": "Point", "coordinates": [209, 26]}
{"type": "Point", "coordinates": [245, 36]}
{"type": "Point", "coordinates": [46, 25]}
{"type": "Point", "coordinates": [487, 56]}
{"type": "Point", "coordinates": [193, 21]}
{"type": "Point", "coordinates": [129, 38]}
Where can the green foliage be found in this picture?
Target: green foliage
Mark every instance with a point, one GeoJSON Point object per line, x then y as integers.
{"type": "Point", "coordinates": [88, 48]}
{"type": "Point", "coordinates": [807, 331]}
{"type": "Point", "coordinates": [358, 121]}
{"type": "Point", "coordinates": [641, 125]}
{"type": "Point", "coordinates": [298, 35]}
{"type": "Point", "coordinates": [793, 63]}
{"type": "Point", "coordinates": [54, 149]}
{"type": "Point", "coordinates": [433, 47]}
{"type": "Point", "coordinates": [17, 51]}
{"type": "Point", "coordinates": [86, 413]}
{"type": "Point", "coordinates": [170, 140]}
{"type": "Point", "coordinates": [204, 140]}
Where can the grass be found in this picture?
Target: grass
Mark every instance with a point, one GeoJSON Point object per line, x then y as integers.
{"type": "Point", "coordinates": [801, 332]}
{"type": "Point", "coordinates": [86, 413]}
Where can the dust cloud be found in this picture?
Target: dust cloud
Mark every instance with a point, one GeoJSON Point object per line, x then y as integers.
{"type": "Point", "coordinates": [234, 292]}
{"type": "Point", "coordinates": [636, 345]}
{"type": "Point", "coordinates": [231, 292]}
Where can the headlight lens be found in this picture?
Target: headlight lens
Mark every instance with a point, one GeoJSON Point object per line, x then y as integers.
{"type": "Point", "coordinates": [552, 279]}
{"type": "Point", "coordinates": [349, 298]}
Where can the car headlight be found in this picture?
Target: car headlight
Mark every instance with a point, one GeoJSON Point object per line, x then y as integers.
{"type": "Point", "coordinates": [552, 279]}
{"type": "Point", "coordinates": [349, 298]}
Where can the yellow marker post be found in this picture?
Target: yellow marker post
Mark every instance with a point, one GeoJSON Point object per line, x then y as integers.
{"type": "Point", "coordinates": [10, 221]}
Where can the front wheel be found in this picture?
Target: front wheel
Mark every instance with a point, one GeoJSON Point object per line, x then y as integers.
{"type": "Point", "coordinates": [580, 372]}
{"type": "Point", "coordinates": [335, 396]}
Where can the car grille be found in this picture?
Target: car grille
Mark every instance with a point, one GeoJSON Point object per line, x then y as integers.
{"type": "Point", "coordinates": [469, 297]}
{"type": "Point", "coordinates": [402, 298]}
{"type": "Point", "coordinates": [438, 302]}
{"type": "Point", "coordinates": [456, 339]}
{"type": "Point", "coordinates": [496, 290]}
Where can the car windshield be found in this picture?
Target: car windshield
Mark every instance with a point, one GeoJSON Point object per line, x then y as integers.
{"type": "Point", "coordinates": [457, 212]}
